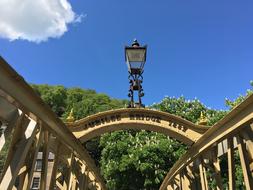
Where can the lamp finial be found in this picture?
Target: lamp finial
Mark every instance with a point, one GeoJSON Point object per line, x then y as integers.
{"type": "Point", "coordinates": [202, 119]}
{"type": "Point", "coordinates": [70, 117]}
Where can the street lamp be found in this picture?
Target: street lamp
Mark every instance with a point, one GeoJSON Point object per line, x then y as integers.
{"type": "Point", "coordinates": [135, 56]}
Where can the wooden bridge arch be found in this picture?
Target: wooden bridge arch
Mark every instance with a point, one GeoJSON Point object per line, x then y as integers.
{"type": "Point", "coordinates": [137, 118]}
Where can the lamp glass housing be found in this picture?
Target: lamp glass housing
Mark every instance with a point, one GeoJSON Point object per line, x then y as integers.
{"type": "Point", "coordinates": [135, 58]}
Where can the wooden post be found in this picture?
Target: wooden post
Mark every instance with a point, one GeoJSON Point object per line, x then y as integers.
{"type": "Point", "coordinates": [217, 170]}
{"type": "Point", "coordinates": [185, 180]}
{"type": "Point", "coordinates": [202, 174]}
{"type": "Point", "coordinates": [231, 165]}
{"type": "Point", "coordinates": [67, 173]}
{"type": "Point", "coordinates": [248, 136]}
{"type": "Point", "coordinates": [45, 153]}
{"type": "Point", "coordinates": [55, 167]}
{"type": "Point", "coordinates": [248, 181]}
{"type": "Point", "coordinates": [33, 161]}
{"type": "Point", "coordinates": [86, 179]}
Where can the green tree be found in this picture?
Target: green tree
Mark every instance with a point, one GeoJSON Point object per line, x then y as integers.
{"type": "Point", "coordinates": [54, 96]}
{"type": "Point", "coordinates": [233, 103]}
{"type": "Point", "coordinates": [137, 159]}
{"type": "Point", "coordinates": [141, 159]}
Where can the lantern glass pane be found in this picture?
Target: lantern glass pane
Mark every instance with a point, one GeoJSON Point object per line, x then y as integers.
{"type": "Point", "coordinates": [136, 65]}
{"type": "Point", "coordinates": [135, 55]}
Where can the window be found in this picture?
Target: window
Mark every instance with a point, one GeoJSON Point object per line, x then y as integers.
{"type": "Point", "coordinates": [36, 183]}
{"type": "Point", "coordinates": [38, 165]}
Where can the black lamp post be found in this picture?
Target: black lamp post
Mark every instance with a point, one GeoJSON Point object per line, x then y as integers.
{"type": "Point", "coordinates": [135, 56]}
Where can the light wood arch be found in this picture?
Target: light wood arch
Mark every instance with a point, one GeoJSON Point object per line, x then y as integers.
{"type": "Point", "coordinates": [137, 118]}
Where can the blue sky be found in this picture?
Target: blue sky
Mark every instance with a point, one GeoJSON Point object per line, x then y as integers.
{"type": "Point", "coordinates": [197, 49]}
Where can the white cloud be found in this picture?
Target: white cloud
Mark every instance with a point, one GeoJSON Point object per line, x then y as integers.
{"type": "Point", "coordinates": [35, 20]}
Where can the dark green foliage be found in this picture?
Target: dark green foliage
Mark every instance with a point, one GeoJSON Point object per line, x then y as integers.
{"type": "Point", "coordinates": [137, 160]}
{"type": "Point", "coordinates": [3, 155]}
{"type": "Point", "coordinates": [54, 96]}
{"type": "Point", "coordinates": [84, 102]}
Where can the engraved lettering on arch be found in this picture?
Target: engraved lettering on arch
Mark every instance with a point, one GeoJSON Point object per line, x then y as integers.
{"type": "Point", "coordinates": [101, 121]}
{"type": "Point", "coordinates": [142, 117]}
{"type": "Point", "coordinates": [179, 126]}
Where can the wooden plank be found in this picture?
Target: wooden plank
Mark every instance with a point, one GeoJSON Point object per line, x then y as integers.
{"type": "Point", "coordinates": [59, 185]}
{"type": "Point", "coordinates": [203, 179]}
{"type": "Point", "coordinates": [38, 142]}
{"type": "Point", "coordinates": [249, 142]}
{"type": "Point", "coordinates": [217, 170]}
{"type": "Point", "coordinates": [248, 181]}
{"type": "Point", "coordinates": [82, 177]}
{"type": "Point", "coordinates": [55, 167]}
{"type": "Point", "coordinates": [45, 150]}
{"type": "Point", "coordinates": [86, 179]}
{"type": "Point", "coordinates": [67, 173]}
{"type": "Point", "coordinates": [191, 177]}
{"type": "Point", "coordinates": [231, 165]}
{"type": "Point", "coordinates": [71, 172]}
{"type": "Point", "coordinates": [185, 181]}
{"type": "Point", "coordinates": [18, 157]}
{"type": "Point", "coordinates": [170, 187]}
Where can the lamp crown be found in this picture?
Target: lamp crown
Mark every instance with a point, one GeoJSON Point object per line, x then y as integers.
{"type": "Point", "coordinates": [135, 43]}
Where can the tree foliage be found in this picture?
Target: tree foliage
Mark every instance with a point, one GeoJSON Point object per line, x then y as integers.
{"type": "Point", "coordinates": [137, 159]}
{"type": "Point", "coordinates": [83, 101]}
{"type": "Point", "coordinates": [189, 109]}
{"type": "Point", "coordinates": [233, 103]}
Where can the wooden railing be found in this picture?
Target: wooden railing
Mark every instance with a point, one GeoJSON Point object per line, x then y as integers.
{"type": "Point", "coordinates": [224, 150]}
{"type": "Point", "coordinates": [39, 150]}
